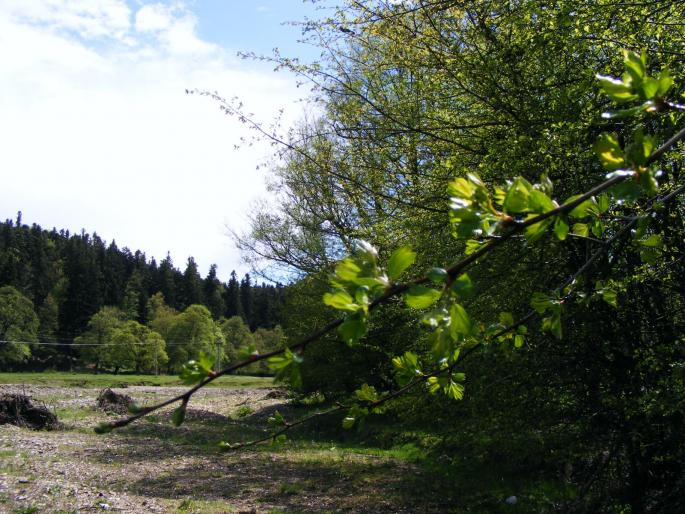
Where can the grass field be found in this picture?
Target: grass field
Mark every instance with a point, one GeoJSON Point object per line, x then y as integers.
{"type": "Point", "coordinates": [93, 380]}
{"type": "Point", "coordinates": [152, 466]}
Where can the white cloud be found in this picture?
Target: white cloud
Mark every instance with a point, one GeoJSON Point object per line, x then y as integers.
{"type": "Point", "coordinates": [88, 18]}
{"type": "Point", "coordinates": [103, 136]}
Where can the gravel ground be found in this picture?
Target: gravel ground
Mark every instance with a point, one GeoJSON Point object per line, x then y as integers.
{"type": "Point", "coordinates": [154, 467]}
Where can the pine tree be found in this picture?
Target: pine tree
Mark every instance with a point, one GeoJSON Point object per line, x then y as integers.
{"type": "Point", "coordinates": [191, 285]}
{"type": "Point", "coordinates": [247, 300]}
{"type": "Point", "coordinates": [213, 289]}
{"type": "Point", "coordinates": [234, 305]}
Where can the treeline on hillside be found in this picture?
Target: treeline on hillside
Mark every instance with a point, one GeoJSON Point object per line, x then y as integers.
{"type": "Point", "coordinates": [69, 278]}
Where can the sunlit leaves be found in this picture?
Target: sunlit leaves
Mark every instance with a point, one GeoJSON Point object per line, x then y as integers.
{"type": "Point", "coordinates": [448, 384]}
{"type": "Point", "coordinates": [196, 370]}
{"type": "Point", "coordinates": [352, 329]}
{"type": "Point", "coordinates": [471, 209]}
{"type": "Point", "coordinates": [406, 367]}
{"type": "Point", "coordinates": [462, 286]}
{"type": "Point", "coordinates": [610, 152]}
{"type": "Point", "coordinates": [561, 228]}
{"type": "Point", "coordinates": [287, 367]}
{"type": "Point", "coordinates": [277, 420]}
{"type": "Point", "coordinates": [460, 322]}
{"type": "Point", "coordinates": [366, 393]}
{"type": "Point", "coordinates": [635, 84]}
{"type": "Point", "coordinates": [421, 297]}
{"type": "Point", "coordinates": [400, 260]}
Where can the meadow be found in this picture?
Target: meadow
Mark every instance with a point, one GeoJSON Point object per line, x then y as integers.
{"type": "Point", "coordinates": [152, 466]}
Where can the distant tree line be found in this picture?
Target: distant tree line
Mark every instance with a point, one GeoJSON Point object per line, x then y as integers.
{"type": "Point", "coordinates": [58, 288]}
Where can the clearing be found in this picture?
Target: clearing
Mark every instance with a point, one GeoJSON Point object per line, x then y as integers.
{"type": "Point", "coordinates": [152, 466]}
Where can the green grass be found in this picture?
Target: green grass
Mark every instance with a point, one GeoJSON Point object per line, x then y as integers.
{"type": "Point", "coordinates": [92, 380]}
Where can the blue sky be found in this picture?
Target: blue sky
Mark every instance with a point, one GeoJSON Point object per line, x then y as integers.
{"type": "Point", "coordinates": [98, 133]}
{"type": "Point", "coordinates": [255, 25]}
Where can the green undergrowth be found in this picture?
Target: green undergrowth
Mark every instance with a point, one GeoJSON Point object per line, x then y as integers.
{"type": "Point", "coordinates": [92, 380]}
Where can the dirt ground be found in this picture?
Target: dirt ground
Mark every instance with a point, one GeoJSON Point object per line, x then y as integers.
{"type": "Point", "coordinates": [152, 466]}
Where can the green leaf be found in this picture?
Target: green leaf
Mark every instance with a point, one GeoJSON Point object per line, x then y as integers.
{"type": "Point", "coordinates": [518, 340]}
{"type": "Point", "coordinates": [400, 260]}
{"type": "Point", "coordinates": [196, 370]}
{"type": "Point", "coordinates": [433, 385]}
{"type": "Point", "coordinates": [472, 246]}
{"type": "Point", "coordinates": [352, 329]}
{"type": "Point", "coordinates": [421, 297]}
{"type": "Point", "coordinates": [581, 229]}
{"type": "Point", "coordinates": [455, 390]}
{"type": "Point", "coordinates": [627, 113]}
{"type": "Point", "coordinates": [461, 188]}
{"type": "Point", "coordinates": [535, 231]}
{"type": "Point", "coordinates": [649, 88]}
{"type": "Point", "coordinates": [517, 198]}
{"type": "Point", "coordinates": [348, 422]}
{"type": "Point", "coordinates": [341, 300]}
{"type": "Point", "coordinates": [603, 203]}
{"type": "Point", "coordinates": [367, 393]}
{"type": "Point", "coordinates": [506, 318]}
{"type": "Point", "coordinates": [552, 324]}
{"type": "Point", "coordinates": [616, 89]}
{"type": "Point", "coordinates": [610, 297]}
{"type": "Point", "coordinates": [541, 302]}
{"type": "Point", "coordinates": [540, 202]}
{"type": "Point", "coordinates": [347, 270]}
{"type": "Point", "coordinates": [277, 420]}
{"type": "Point", "coordinates": [406, 367]}
{"type": "Point", "coordinates": [583, 209]}
{"type": "Point", "coordinates": [652, 241]}
{"type": "Point", "coordinates": [609, 152]}
{"type": "Point", "coordinates": [560, 228]}
{"type": "Point", "coordinates": [462, 286]}
{"type": "Point", "coordinates": [665, 82]}
{"type": "Point", "coordinates": [438, 275]}
{"type": "Point", "coordinates": [247, 352]}
{"type": "Point", "coordinates": [460, 324]}
{"type": "Point", "coordinates": [640, 148]}
{"type": "Point", "coordinates": [179, 415]}
{"type": "Point", "coordinates": [636, 65]}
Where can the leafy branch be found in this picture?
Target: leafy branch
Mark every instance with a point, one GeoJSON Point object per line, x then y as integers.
{"type": "Point", "coordinates": [360, 284]}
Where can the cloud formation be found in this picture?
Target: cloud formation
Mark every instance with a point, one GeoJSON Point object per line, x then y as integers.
{"type": "Point", "coordinates": [98, 132]}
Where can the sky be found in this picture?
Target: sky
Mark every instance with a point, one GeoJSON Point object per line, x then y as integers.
{"type": "Point", "coordinates": [99, 134]}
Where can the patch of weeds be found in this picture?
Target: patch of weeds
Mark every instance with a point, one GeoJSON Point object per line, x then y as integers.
{"type": "Point", "coordinates": [312, 399]}
{"type": "Point", "coordinates": [185, 505]}
{"type": "Point", "coordinates": [290, 489]}
{"type": "Point", "coordinates": [7, 453]}
{"type": "Point", "coordinates": [25, 510]}
{"type": "Point", "coordinates": [152, 418]}
{"type": "Point", "coordinates": [244, 411]}
{"type": "Point", "coordinates": [55, 489]}
{"type": "Point", "coordinates": [203, 507]}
